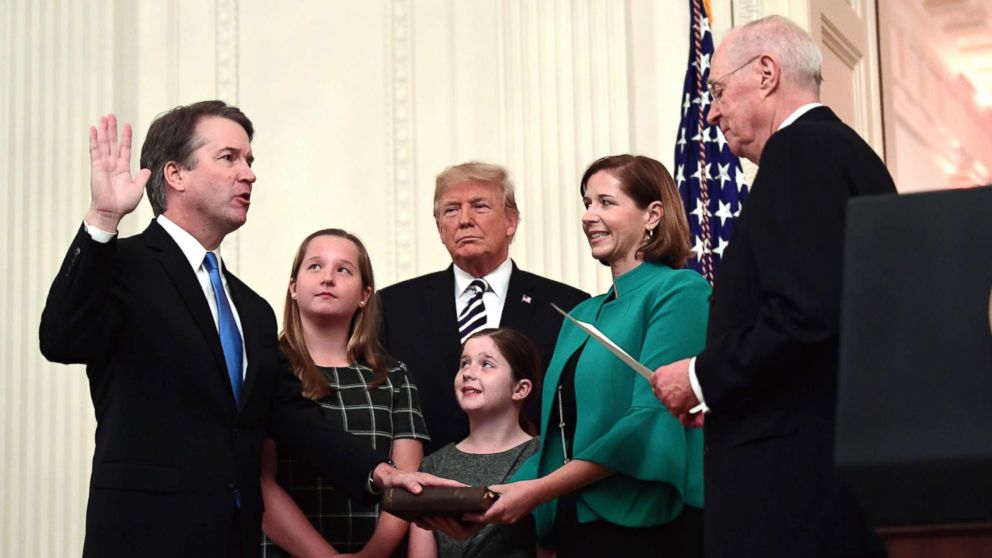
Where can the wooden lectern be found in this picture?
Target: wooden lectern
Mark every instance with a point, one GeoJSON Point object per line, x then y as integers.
{"type": "Point", "coordinates": [914, 413]}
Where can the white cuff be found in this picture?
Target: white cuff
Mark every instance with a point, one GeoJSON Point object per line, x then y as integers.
{"type": "Point", "coordinates": [696, 388]}
{"type": "Point", "coordinates": [98, 235]}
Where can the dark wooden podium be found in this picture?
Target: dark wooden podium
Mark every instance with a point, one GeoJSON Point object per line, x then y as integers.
{"type": "Point", "coordinates": [934, 541]}
{"type": "Point", "coordinates": [914, 414]}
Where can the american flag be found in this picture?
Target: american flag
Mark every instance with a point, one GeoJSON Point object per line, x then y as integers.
{"type": "Point", "coordinates": [713, 197]}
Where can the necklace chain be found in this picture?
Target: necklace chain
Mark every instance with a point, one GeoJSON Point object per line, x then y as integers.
{"type": "Point", "coordinates": [561, 426]}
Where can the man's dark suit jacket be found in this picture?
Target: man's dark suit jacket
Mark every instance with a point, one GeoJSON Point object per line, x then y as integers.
{"type": "Point", "coordinates": [172, 449]}
{"type": "Point", "coordinates": [420, 328]}
{"type": "Point", "coordinates": [769, 370]}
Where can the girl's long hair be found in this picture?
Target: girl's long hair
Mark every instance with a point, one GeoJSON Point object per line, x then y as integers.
{"type": "Point", "coordinates": [364, 346]}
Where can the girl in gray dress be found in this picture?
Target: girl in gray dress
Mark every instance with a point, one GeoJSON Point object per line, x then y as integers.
{"type": "Point", "coordinates": [500, 369]}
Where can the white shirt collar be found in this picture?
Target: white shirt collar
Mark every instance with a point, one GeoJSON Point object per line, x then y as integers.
{"type": "Point", "coordinates": [498, 279]}
{"type": "Point", "coordinates": [797, 113]}
{"type": "Point", "coordinates": [190, 246]}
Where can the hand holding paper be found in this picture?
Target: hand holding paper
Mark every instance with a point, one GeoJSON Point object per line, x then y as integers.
{"type": "Point", "coordinates": [672, 387]}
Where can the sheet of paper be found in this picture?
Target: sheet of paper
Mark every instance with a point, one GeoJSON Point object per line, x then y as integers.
{"type": "Point", "coordinates": [623, 355]}
{"type": "Point", "coordinates": [609, 344]}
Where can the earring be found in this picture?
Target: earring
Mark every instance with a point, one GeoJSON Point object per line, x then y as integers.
{"type": "Point", "coordinates": [650, 233]}
{"type": "Point", "coordinates": [293, 296]}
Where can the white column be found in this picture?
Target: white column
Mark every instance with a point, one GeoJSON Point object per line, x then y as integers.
{"type": "Point", "coordinates": [58, 75]}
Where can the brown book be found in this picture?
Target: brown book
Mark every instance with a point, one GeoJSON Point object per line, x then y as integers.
{"type": "Point", "coordinates": [437, 501]}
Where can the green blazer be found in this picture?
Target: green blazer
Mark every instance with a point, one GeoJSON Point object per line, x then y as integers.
{"type": "Point", "coordinates": [658, 316]}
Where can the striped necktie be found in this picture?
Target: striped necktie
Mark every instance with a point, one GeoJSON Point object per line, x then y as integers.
{"type": "Point", "coordinates": [230, 337]}
{"type": "Point", "coordinates": [473, 316]}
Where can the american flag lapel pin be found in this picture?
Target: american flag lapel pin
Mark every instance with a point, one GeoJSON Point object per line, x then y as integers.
{"type": "Point", "coordinates": [525, 299]}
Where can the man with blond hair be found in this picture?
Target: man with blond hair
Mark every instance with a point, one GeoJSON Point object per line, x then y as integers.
{"type": "Point", "coordinates": [426, 319]}
{"type": "Point", "coordinates": [768, 373]}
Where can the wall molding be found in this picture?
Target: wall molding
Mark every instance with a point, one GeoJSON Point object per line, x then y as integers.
{"type": "Point", "coordinates": [401, 216]}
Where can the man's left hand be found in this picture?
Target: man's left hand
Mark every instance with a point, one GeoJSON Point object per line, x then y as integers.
{"type": "Point", "coordinates": [694, 420]}
{"type": "Point", "coordinates": [671, 386]}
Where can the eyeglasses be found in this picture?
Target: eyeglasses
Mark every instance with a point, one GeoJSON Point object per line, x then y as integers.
{"type": "Point", "coordinates": [717, 93]}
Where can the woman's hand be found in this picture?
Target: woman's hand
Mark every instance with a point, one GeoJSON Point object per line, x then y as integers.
{"type": "Point", "coordinates": [516, 500]}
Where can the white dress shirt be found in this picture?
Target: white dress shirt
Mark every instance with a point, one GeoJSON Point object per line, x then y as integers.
{"type": "Point", "coordinates": [494, 298]}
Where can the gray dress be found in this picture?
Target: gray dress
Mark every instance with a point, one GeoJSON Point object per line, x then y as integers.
{"type": "Point", "coordinates": [497, 541]}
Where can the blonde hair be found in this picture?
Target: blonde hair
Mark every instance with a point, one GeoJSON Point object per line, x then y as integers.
{"type": "Point", "coordinates": [479, 172]}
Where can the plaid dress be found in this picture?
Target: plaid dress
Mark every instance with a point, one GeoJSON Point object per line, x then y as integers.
{"type": "Point", "coordinates": [380, 415]}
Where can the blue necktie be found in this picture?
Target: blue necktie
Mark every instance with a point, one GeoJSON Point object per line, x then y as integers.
{"type": "Point", "coordinates": [230, 337]}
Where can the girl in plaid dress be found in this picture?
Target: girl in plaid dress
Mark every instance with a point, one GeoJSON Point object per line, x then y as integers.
{"type": "Point", "coordinates": [330, 338]}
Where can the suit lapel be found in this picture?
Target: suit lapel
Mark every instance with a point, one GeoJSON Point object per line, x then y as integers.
{"type": "Point", "coordinates": [518, 308]}
{"type": "Point", "coordinates": [177, 267]}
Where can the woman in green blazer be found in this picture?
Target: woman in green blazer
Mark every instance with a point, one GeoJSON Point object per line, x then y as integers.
{"type": "Point", "coordinates": [616, 474]}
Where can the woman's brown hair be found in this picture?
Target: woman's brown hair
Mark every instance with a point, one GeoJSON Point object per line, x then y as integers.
{"type": "Point", "coordinates": [645, 181]}
{"type": "Point", "coordinates": [364, 346]}
{"type": "Point", "coordinates": [525, 364]}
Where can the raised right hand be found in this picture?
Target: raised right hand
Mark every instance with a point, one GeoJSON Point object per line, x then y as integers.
{"type": "Point", "coordinates": [113, 193]}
